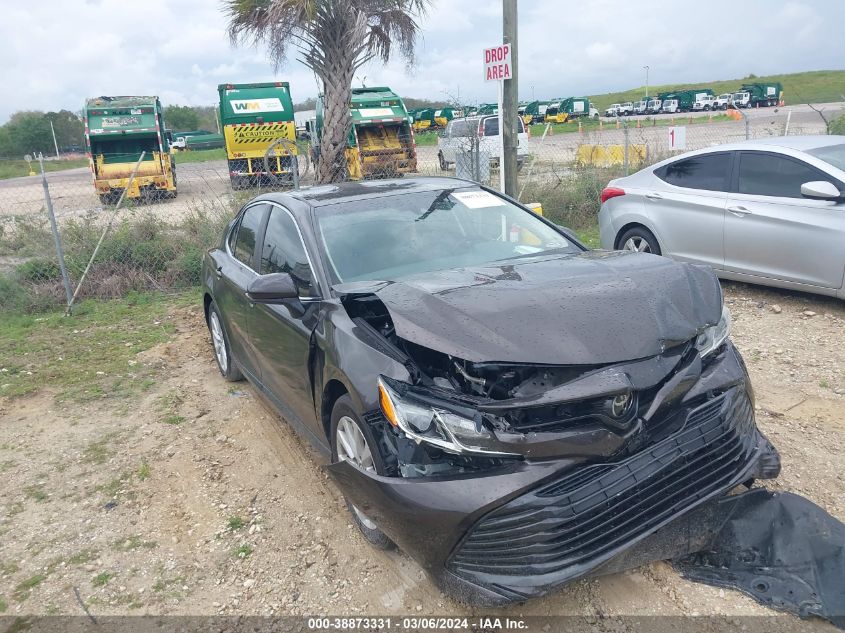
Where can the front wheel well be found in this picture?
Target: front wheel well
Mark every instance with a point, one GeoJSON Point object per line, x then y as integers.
{"type": "Point", "coordinates": [206, 302]}
{"type": "Point", "coordinates": [617, 240]}
{"type": "Point", "coordinates": [333, 390]}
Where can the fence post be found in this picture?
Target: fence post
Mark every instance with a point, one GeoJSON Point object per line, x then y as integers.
{"type": "Point", "coordinates": [626, 145]}
{"type": "Point", "coordinates": [56, 239]}
{"type": "Point", "coordinates": [105, 231]}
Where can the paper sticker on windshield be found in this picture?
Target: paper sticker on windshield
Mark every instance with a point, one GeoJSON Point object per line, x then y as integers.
{"type": "Point", "coordinates": [478, 199]}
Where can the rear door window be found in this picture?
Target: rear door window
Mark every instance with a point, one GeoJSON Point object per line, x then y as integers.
{"type": "Point", "coordinates": [764, 174]}
{"type": "Point", "coordinates": [710, 172]}
{"type": "Point", "coordinates": [247, 233]}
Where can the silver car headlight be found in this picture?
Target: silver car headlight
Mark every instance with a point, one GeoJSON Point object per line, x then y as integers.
{"type": "Point", "coordinates": [712, 338]}
{"type": "Point", "coordinates": [444, 429]}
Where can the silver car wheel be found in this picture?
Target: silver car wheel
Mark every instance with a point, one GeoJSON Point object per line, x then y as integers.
{"type": "Point", "coordinates": [638, 244]}
{"type": "Point", "coordinates": [352, 447]}
{"type": "Point", "coordinates": [219, 342]}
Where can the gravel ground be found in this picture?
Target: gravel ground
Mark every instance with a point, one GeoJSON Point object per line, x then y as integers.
{"type": "Point", "coordinates": [227, 512]}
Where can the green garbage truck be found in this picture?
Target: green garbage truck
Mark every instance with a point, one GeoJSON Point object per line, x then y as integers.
{"type": "Point", "coordinates": [253, 117]}
{"type": "Point", "coordinates": [117, 131]}
{"type": "Point", "coordinates": [381, 141]}
{"type": "Point", "coordinates": [752, 95]}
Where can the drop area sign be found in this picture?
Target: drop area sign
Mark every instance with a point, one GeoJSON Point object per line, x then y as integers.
{"type": "Point", "coordinates": [497, 63]}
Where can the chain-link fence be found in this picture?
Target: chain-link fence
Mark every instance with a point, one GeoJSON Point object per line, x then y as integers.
{"type": "Point", "coordinates": [156, 238]}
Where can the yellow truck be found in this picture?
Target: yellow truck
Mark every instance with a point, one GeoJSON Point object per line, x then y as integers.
{"type": "Point", "coordinates": [253, 117]}
{"type": "Point", "coordinates": [117, 131]}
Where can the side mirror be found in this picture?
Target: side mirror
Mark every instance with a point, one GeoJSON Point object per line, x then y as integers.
{"type": "Point", "coordinates": [820, 190]}
{"type": "Point", "coordinates": [272, 288]}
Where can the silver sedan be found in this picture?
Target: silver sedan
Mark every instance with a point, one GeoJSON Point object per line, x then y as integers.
{"type": "Point", "coordinates": [769, 211]}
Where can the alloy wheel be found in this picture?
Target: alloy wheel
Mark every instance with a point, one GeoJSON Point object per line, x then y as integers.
{"type": "Point", "coordinates": [219, 342]}
{"type": "Point", "coordinates": [638, 244]}
{"type": "Point", "coordinates": [352, 446]}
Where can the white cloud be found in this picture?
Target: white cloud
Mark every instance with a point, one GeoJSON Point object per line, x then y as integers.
{"type": "Point", "coordinates": [55, 53]}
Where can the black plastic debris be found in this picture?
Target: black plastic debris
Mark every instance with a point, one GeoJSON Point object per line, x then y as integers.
{"type": "Point", "coordinates": [779, 548]}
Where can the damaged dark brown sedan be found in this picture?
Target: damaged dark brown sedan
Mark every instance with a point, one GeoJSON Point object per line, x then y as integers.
{"type": "Point", "coordinates": [513, 410]}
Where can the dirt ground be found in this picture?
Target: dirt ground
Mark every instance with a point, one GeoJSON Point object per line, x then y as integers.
{"type": "Point", "coordinates": [200, 500]}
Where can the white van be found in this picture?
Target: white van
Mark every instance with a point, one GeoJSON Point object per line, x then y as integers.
{"type": "Point", "coordinates": [459, 134]}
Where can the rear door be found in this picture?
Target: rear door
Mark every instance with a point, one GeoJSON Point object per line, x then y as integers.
{"type": "Point", "coordinates": [687, 207]}
{"type": "Point", "coordinates": [235, 272]}
{"type": "Point", "coordinates": [281, 333]}
{"type": "Point", "coordinates": [772, 231]}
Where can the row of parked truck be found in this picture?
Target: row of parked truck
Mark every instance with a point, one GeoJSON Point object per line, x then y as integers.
{"type": "Point", "coordinates": [701, 100]}
{"type": "Point", "coordinates": [257, 130]}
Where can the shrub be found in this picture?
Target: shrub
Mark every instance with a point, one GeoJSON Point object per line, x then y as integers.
{"type": "Point", "coordinates": [837, 126]}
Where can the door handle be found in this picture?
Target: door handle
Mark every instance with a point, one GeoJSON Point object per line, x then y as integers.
{"type": "Point", "coordinates": [219, 271]}
{"type": "Point", "coordinates": [654, 196]}
{"type": "Point", "coordinates": [739, 211]}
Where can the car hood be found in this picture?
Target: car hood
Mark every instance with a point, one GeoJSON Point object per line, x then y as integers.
{"type": "Point", "coordinates": [592, 308]}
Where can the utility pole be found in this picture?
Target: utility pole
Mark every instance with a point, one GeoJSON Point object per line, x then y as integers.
{"type": "Point", "coordinates": [55, 144]}
{"type": "Point", "coordinates": [510, 99]}
{"type": "Point", "coordinates": [646, 82]}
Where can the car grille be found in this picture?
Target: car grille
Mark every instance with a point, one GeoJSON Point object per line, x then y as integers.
{"type": "Point", "coordinates": [593, 509]}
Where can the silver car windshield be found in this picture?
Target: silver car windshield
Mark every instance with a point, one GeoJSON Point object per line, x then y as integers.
{"type": "Point", "coordinates": [833, 154]}
{"type": "Point", "coordinates": [392, 237]}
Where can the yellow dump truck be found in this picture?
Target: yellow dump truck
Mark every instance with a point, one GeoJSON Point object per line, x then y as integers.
{"type": "Point", "coordinates": [117, 131]}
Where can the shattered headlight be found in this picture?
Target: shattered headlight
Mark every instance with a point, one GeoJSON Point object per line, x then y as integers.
{"type": "Point", "coordinates": [711, 338]}
{"type": "Point", "coordinates": [444, 429]}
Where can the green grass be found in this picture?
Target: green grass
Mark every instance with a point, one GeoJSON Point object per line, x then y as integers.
{"type": "Point", "coordinates": [243, 551]}
{"type": "Point", "coordinates": [3, 605]}
{"type": "Point", "coordinates": [102, 579]}
{"type": "Point", "coordinates": [426, 139]}
{"type": "Point", "coordinates": [199, 155]}
{"type": "Point", "coordinates": [83, 556]}
{"type": "Point", "coordinates": [143, 471]}
{"type": "Point", "coordinates": [818, 86]}
{"type": "Point", "coordinates": [132, 543]}
{"type": "Point", "coordinates": [88, 356]}
{"type": "Point", "coordinates": [173, 419]}
{"type": "Point", "coordinates": [17, 168]}
{"type": "Point", "coordinates": [590, 125]}
{"type": "Point", "coordinates": [35, 492]}
{"type": "Point", "coordinates": [23, 589]}
{"type": "Point", "coordinates": [235, 523]}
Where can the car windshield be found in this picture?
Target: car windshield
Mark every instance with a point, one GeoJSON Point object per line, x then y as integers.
{"type": "Point", "coordinates": [393, 237]}
{"type": "Point", "coordinates": [833, 154]}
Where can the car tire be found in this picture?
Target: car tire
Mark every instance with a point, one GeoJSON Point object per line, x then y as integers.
{"type": "Point", "coordinates": [364, 453]}
{"type": "Point", "coordinates": [220, 344]}
{"type": "Point", "coordinates": [639, 239]}
{"type": "Point", "coordinates": [443, 164]}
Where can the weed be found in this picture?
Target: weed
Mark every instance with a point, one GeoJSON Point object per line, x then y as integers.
{"type": "Point", "coordinates": [15, 508]}
{"type": "Point", "coordinates": [102, 579]}
{"type": "Point", "coordinates": [243, 550]}
{"type": "Point", "coordinates": [7, 569]}
{"type": "Point", "coordinates": [132, 542]}
{"type": "Point", "coordinates": [83, 556]}
{"type": "Point", "coordinates": [97, 452]}
{"type": "Point", "coordinates": [23, 589]}
{"type": "Point", "coordinates": [3, 605]}
{"type": "Point", "coordinates": [235, 523]}
{"type": "Point", "coordinates": [35, 491]}
{"type": "Point", "coordinates": [112, 487]}
{"type": "Point", "coordinates": [170, 400]}
{"type": "Point", "coordinates": [173, 419]}
{"type": "Point", "coordinates": [824, 384]}
{"type": "Point", "coordinates": [143, 471]}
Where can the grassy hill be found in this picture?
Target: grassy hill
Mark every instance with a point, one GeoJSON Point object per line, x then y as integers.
{"type": "Point", "coordinates": [818, 86]}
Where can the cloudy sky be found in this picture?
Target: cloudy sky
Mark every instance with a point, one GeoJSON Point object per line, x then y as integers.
{"type": "Point", "coordinates": [54, 53]}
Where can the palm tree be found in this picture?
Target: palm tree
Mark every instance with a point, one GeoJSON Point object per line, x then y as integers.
{"type": "Point", "coordinates": [334, 38]}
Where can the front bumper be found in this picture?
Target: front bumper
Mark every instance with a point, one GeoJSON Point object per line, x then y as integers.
{"type": "Point", "coordinates": [523, 530]}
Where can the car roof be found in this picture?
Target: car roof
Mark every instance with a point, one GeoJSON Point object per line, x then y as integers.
{"type": "Point", "coordinates": [323, 195]}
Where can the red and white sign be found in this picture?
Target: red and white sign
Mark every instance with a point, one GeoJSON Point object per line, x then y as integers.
{"type": "Point", "coordinates": [497, 63]}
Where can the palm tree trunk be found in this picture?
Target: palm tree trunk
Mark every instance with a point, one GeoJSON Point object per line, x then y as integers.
{"type": "Point", "coordinates": [337, 119]}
